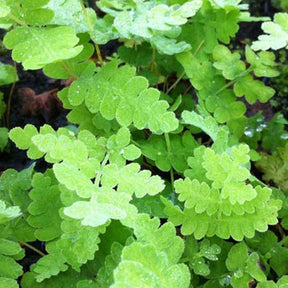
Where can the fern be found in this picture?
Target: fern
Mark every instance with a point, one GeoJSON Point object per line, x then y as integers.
{"type": "Point", "coordinates": [220, 202]}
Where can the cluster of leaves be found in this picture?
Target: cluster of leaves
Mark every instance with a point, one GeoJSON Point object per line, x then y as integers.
{"type": "Point", "coordinates": [96, 209]}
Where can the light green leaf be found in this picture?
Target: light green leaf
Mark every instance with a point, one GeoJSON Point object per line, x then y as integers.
{"type": "Point", "coordinates": [276, 36]}
{"type": "Point", "coordinates": [157, 24]}
{"type": "Point", "coordinates": [8, 213]}
{"type": "Point", "coordinates": [70, 13]}
{"type": "Point", "coordinates": [80, 182]}
{"type": "Point", "coordinates": [229, 63]}
{"type": "Point", "coordinates": [129, 179]}
{"type": "Point", "coordinates": [253, 268]}
{"type": "Point", "coordinates": [228, 4]}
{"type": "Point", "coordinates": [161, 17]}
{"type": "Point", "coordinates": [169, 46]}
{"type": "Point", "coordinates": [144, 266]}
{"type": "Point", "coordinates": [4, 9]}
{"type": "Point", "coordinates": [103, 206]}
{"type": "Point", "coordinates": [131, 152]}
{"type": "Point", "coordinates": [208, 124]}
{"type": "Point", "coordinates": [28, 45]}
{"type": "Point", "coordinates": [22, 137]}
{"type": "Point", "coordinates": [162, 238]}
{"type": "Point", "coordinates": [237, 257]}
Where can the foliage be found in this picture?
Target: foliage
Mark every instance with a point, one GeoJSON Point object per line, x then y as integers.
{"type": "Point", "coordinates": [154, 186]}
{"type": "Point", "coordinates": [8, 75]}
{"type": "Point", "coordinates": [277, 34]}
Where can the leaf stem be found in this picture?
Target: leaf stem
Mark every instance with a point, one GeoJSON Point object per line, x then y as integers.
{"type": "Point", "coordinates": [91, 29]}
{"type": "Point", "coordinates": [230, 83]}
{"type": "Point", "coordinates": [135, 143]}
{"type": "Point", "coordinates": [284, 241]}
{"type": "Point", "coordinates": [68, 70]}
{"type": "Point", "coordinates": [104, 162]}
{"type": "Point", "coordinates": [18, 21]}
{"type": "Point", "coordinates": [32, 248]}
{"type": "Point", "coordinates": [176, 82]}
{"type": "Point", "coordinates": [8, 110]}
{"type": "Point", "coordinates": [199, 47]}
{"type": "Point", "coordinates": [168, 144]}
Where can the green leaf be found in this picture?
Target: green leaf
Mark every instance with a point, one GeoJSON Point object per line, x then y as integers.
{"type": "Point", "coordinates": [103, 30]}
{"type": "Point", "coordinates": [103, 206]}
{"type": "Point", "coordinates": [9, 268]}
{"type": "Point", "coordinates": [9, 248]}
{"type": "Point", "coordinates": [22, 137]}
{"type": "Point", "coordinates": [155, 148]}
{"type": "Point", "coordinates": [227, 22]}
{"type": "Point", "coordinates": [70, 245]}
{"type": "Point", "coordinates": [253, 90]}
{"type": "Point", "coordinates": [118, 94]}
{"type": "Point", "coordinates": [8, 283]}
{"type": "Point", "coordinates": [141, 55]}
{"type": "Point", "coordinates": [279, 260]}
{"type": "Point", "coordinates": [44, 208]}
{"type": "Point", "coordinates": [276, 36]}
{"type": "Point", "coordinates": [274, 167]}
{"type": "Point", "coordinates": [229, 63]}
{"type": "Point", "coordinates": [221, 193]}
{"type": "Point", "coordinates": [105, 275]}
{"type": "Point", "coordinates": [49, 265]}
{"type": "Point", "coordinates": [225, 108]}
{"type": "Point", "coordinates": [65, 279]}
{"type": "Point", "coordinates": [267, 284]}
{"type": "Point", "coordinates": [8, 74]}
{"type": "Point", "coordinates": [263, 63]}
{"type": "Point", "coordinates": [27, 45]}
{"type": "Point", "coordinates": [69, 13]}
{"type": "Point", "coordinates": [3, 138]}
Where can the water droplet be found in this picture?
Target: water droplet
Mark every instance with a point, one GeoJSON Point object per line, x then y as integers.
{"type": "Point", "coordinates": [249, 133]}
{"type": "Point", "coordinates": [284, 136]}
{"type": "Point", "coordinates": [238, 273]}
{"type": "Point", "coordinates": [224, 282]}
